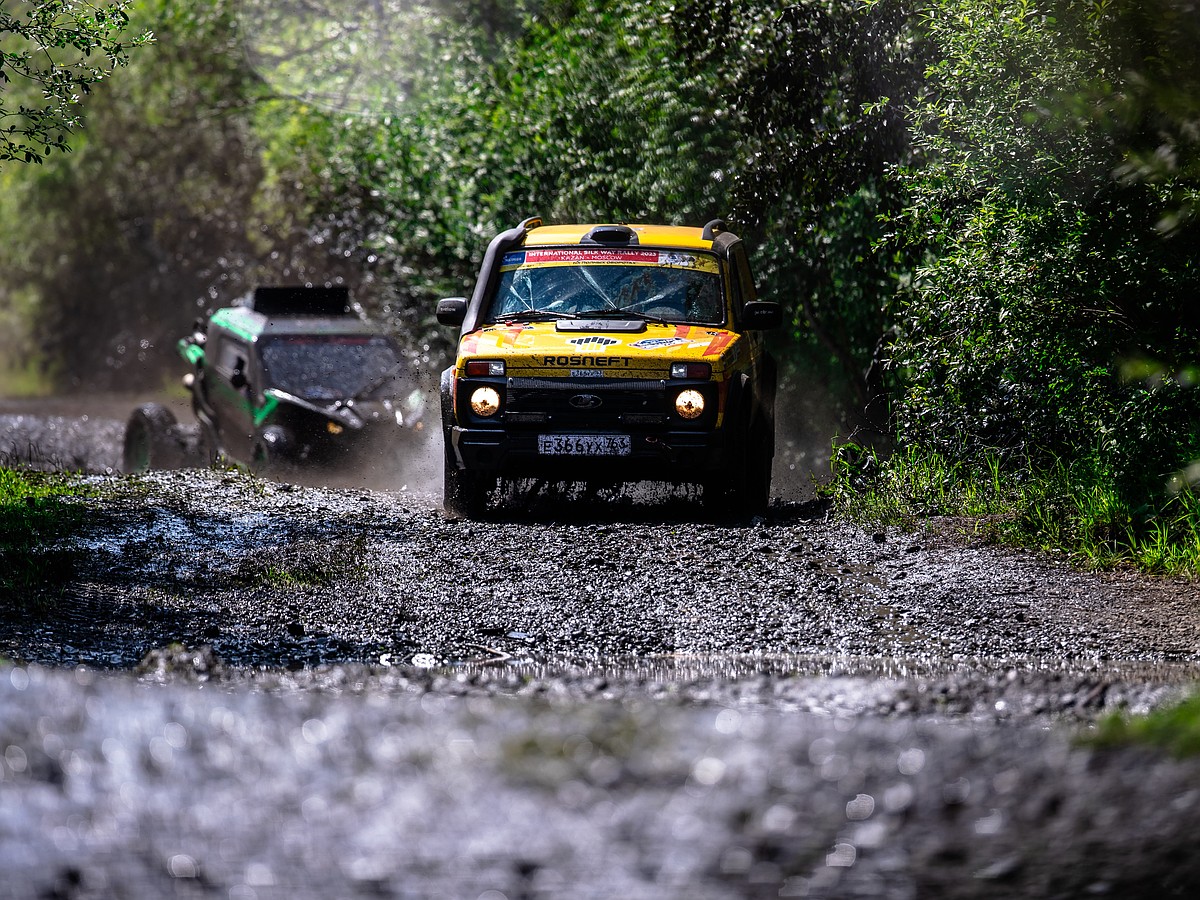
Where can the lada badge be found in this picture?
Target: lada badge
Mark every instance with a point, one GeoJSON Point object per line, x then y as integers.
{"type": "Point", "coordinates": [585, 401]}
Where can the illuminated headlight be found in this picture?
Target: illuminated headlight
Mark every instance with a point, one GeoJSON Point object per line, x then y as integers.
{"type": "Point", "coordinates": [690, 404]}
{"type": "Point", "coordinates": [485, 401]}
{"type": "Point", "coordinates": [334, 428]}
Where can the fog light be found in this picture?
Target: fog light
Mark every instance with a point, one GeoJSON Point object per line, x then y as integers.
{"type": "Point", "coordinates": [691, 370]}
{"type": "Point", "coordinates": [690, 404]}
{"type": "Point", "coordinates": [479, 368]}
{"type": "Point", "coordinates": [485, 401]}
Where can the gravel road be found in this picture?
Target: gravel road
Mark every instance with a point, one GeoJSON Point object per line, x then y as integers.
{"type": "Point", "coordinates": [252, 689]}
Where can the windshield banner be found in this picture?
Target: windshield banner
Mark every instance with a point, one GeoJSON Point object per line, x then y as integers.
{"type": "Point", "coordinates": [567, 256]}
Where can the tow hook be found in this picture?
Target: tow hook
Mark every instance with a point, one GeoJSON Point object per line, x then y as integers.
{"type": "Point", "coordinates": [659, 442]}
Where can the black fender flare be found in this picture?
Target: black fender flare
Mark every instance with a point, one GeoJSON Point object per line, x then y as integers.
{"type": "Point", "coordinates": [446, 391]}
{"type": "Point", "coordinates": [740, 396]}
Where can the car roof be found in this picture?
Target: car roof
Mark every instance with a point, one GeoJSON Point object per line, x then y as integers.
{"type": "Point", "coordinates": [681, 236]}
{"type": "Point", "coordinates": [250, 325]}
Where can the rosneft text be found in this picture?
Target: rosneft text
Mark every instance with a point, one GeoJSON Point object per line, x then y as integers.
{"type": "Point", "coordinates": [590, 362]}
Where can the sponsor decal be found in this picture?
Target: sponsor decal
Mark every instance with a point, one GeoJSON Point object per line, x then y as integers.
{"type": "Point", "coordinates": [572, 255]}
{"type": "Point", "coordinates": [595, 362]}
{"type": "Point", "coordinates": [594, 340]}
{"type": "Point", "coordinates": [511, 333]}
{"type": "Point", "coordinates": [658, 343]}
{"type": "Point", "coordinates": [681, 260]}
{"type": "Point", "coordinates": [719, 343]}
{"type": "Point", "coordinates": [561, 256]}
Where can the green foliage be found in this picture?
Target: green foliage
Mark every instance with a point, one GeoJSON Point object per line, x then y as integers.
{"type": "Point", "coordinates": [365, 144]}
{"type": "Point", "coordinates": [1050, 272]}
{"type": "Point", "coordinates": [34, 513]}
{"type": "Point", "coordinates": [585, 111]}
{"type": "Point", "coordinates": [1175, 729]}
{"type": "Point", "coordinates": [50, 53]}
{"type": "Point", "coordinates": [815, 93]}
{"type": "Point", "coordinates": [159, 212]}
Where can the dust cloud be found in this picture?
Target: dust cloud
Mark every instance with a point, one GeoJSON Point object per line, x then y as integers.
{"type": "Point", "coordinates": [83, 432]}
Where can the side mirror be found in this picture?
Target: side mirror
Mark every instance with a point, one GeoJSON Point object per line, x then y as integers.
{"type": "Point", "coordinates": [761, 315]}
{"type": "Point", "coordinates": [452, 310]}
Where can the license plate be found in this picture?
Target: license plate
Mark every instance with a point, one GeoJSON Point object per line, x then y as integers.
{"type": "Point", "coordinates": [583, 444]}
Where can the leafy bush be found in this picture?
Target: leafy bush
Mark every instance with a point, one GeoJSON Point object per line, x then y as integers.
{"type": "Point", "coordinates": [1049, 279]}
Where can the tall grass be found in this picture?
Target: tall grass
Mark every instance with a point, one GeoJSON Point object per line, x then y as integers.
{"type": "Point", "coordinates": [34, 514]}
{"type": "Point", "coordinates": [1071, 507]}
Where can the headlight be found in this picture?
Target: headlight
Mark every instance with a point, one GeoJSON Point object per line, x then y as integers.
{"type": "Point", "coordinates": [690, 404]}
{"type": "Point", "coordinates": [485, 401]}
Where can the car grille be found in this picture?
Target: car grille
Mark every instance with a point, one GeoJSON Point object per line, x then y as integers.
{"type": "Point", "coordinates": [586, 403]}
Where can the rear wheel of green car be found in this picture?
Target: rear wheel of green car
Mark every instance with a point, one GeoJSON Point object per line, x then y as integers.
{"type": "Point", "coordinates": [151, 441]}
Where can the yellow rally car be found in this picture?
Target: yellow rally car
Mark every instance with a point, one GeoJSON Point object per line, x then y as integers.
{"type": "Point", "coordinates": [611, 353]}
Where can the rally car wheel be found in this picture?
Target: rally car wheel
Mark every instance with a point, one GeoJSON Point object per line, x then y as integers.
{"type": "Point", "coordinates": [464, 493]}
{"type": "Point", "coordinates": [744, 490]}
{"type": "Point", "coordinates": [151, 441]}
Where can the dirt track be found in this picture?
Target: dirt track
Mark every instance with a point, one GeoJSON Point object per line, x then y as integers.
{"type": "Point", "coordinates": [603, 698]}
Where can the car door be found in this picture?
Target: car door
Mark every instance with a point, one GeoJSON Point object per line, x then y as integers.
{"type": "Point", "coordinates": [762, 366]}
{"type": "Point", "coordinates": [232, 397]}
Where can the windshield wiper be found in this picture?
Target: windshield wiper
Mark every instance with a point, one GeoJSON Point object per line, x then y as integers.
{"type": "Point", "coordinates": [531, 315]}
{"type": "Point", "coordinates": [617, 312]}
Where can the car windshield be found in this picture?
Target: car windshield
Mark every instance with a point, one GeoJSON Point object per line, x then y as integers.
{"type": "Point", "coordinates": [672, 286]}
{"type": "Point", "coordinates": [332, 367]}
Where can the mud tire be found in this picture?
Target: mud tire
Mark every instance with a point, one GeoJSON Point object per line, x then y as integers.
{"type": "Point", "coordinates": [152, 440]}
{"type": "Point", "coordinates": [744, 490]}
{"type": "Point", "coordinates": [464, 494]}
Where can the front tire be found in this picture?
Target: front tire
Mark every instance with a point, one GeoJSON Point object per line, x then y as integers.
{"type": "Point", "coordinates": [744, 489]}
{"type": "Point", "coordinates": [464, 494]}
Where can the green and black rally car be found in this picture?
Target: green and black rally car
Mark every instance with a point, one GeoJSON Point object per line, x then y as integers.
{"type": "Point", "coordinates": [611, 353]}
{"type": "Point", "coordinates": [288, 377]}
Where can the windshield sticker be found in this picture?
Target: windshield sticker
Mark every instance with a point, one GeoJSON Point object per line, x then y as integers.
{"type": "Point", "coordinates": [594, 341]}
{"type": "Point", "coordinates": [658, 343]}
{"type": "Point", "coordinates": [560, 256]}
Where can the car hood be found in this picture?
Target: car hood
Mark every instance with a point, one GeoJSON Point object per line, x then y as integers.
{"type": "Point", "coordinates": [570, 348]}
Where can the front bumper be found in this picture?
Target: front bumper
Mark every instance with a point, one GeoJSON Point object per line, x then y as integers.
{"type": "Point", "coordinates": [673, 456]}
